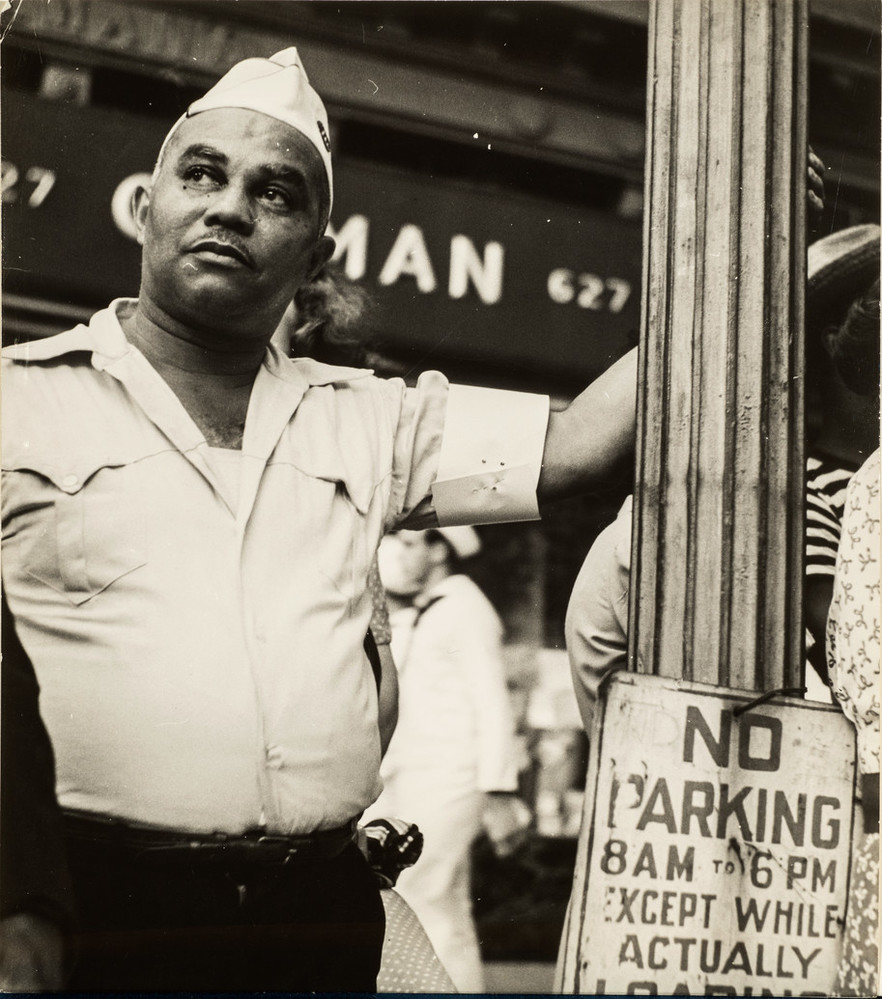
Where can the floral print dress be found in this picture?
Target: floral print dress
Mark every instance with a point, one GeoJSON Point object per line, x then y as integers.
{"type": "Point", "coordinates": [853, 658]}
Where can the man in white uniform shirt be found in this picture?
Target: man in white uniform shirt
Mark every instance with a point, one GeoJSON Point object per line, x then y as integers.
{"type": "Point", "coordinates": [453, 760]}
{"type": "Point", "coordinates": [189, 518]}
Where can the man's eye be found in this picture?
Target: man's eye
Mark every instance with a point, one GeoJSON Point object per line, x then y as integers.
{"type": "Point", "coordinates": [276, 196]}
{"type": "Point", "coordinates": [195, 174]}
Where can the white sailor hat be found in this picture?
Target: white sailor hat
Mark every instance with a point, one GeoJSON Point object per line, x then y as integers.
{"type": "Point", "coordinates": [278, 87]}
{"type": "Point", "coordinates": [464, 541]}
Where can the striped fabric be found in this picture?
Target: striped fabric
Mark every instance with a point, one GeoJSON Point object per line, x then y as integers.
{"type": "Point", "coordinates": [826, 481]}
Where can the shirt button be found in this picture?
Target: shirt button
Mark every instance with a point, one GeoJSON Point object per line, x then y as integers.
{"type": "Point", "coordinates": [274, 757]}
{"type": "Point", "coordinates": [69, 480]}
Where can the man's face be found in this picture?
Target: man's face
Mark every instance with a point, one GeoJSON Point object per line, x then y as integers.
{"type": "Point", "coordinates": [230, 229]}
{"type": "Point", "coordinates": [405, 560]}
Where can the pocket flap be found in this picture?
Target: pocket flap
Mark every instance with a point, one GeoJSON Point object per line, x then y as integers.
{"type": "Point", "coordinates": [71, 470]}
{"type": "Point", "coordinates": [346, 464]}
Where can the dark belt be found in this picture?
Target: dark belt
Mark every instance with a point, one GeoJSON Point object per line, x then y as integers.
{"type": "Point", "coordinates": [254, 847]}
{"type": "Point", "coordinates": [870, 802]}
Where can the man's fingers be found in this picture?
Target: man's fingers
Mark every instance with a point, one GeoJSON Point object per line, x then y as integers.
{"type": "Point", "coordinates": [815, 182]}
{"type": "Point", "coordinates": [815, 162]}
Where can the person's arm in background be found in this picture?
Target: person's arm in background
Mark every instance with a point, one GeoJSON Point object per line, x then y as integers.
{"type": "Point", "coordinates": [35, 895]}
{"type": "Point", "coordinates": [379, 636]}
{"type": "Point", "coordinates": [388, 696]}
{"type": "Point", "coordinates": [597, 614]}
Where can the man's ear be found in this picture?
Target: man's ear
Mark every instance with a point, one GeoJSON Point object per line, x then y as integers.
{"type": "Point", "coordinates": [140, 204]}
{"type": "Point", "coordinates": [321, 254]}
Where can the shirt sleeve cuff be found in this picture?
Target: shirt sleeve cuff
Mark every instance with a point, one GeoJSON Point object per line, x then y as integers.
{"type": "Point", "coordinates": [491, 456]}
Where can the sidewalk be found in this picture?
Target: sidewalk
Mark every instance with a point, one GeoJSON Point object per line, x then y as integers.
{"type": "Point", "coordinates": [513, 977]}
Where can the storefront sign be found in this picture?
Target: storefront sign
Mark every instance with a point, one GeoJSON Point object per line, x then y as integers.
{"type": "Point", "coordinates": [714, 857]}
{"type": "Point", "coordinates": [457, 269]}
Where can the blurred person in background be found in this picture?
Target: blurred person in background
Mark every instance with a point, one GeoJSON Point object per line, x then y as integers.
{"type": "Point", "coordinates": [853, 653]}
{"type": "Point", "coordinates": [452, 765]}
{"type": "Point", "coordinates": [842, 376]}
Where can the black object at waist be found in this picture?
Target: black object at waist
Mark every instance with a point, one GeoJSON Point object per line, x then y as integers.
{"type": "Point", "coordinates": [252, 848]}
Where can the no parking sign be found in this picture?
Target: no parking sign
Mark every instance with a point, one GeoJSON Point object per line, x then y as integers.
{"type": "Point", "coordinates": [714, 854]}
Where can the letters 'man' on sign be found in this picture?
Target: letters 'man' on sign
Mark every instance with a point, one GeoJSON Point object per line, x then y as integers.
{"type": "Point", "coordinates": [457, 270]}
{"type": "Point", "coordinates": [714, 857]}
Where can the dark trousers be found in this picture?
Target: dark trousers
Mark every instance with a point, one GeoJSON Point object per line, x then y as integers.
{"type": "Point", "coordinates": [313, 925]}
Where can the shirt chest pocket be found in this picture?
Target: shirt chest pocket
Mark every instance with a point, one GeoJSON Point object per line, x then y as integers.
{"type": "Point", "coordinates": [338, 529]}
{"type": "Point", "coordinates": [78, 528]}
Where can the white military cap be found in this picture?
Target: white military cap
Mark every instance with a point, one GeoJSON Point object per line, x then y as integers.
{"type": "Point", "coordinates": [278, 87]}
{"type": "Point", "coordinates": [463, 540]}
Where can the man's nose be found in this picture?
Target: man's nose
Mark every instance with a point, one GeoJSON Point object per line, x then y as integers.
{"type": "Point", "coordinates": [232, 208]}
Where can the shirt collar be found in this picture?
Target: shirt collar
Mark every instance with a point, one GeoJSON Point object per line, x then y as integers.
{"type": "Point", "coordinates": [441, 589]}
{"type": "Point", "coordinates": [314, 372]}
{"type": "Point", "coordinates": [104, 339]}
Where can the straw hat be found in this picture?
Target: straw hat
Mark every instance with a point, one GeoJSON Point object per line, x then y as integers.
{"type": "Point", "coordinates": [840, 267]}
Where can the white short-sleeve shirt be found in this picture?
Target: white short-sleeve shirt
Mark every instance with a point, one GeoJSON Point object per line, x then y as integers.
{"type": "Point", "coordinates": [200, 653]}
